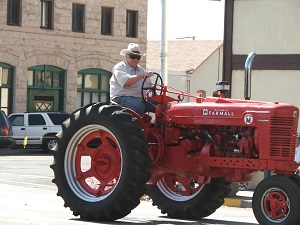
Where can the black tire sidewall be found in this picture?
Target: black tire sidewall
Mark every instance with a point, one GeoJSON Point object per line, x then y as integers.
{"type": "Point", "coordinates": [210, 198]}
{"type": "Point", "coordinates": [129, 188]}
{"type": "Point", "coordinates": [289, 187]}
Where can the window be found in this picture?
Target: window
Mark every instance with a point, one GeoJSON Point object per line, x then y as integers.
{"type": "Point", "coordinates": [43, 103]}
{"type": "Point", "coordinates": [17, 120]}
{"type": "Point", "coordinates": [107, 20]}
{"type": "Point", "coordinates": [45, 76]}
{"type": "Point", "coordinates": [47, 14]}
{"type": "Point", "coordinates": [6, 87]}
{"type": "Point", "coordinates": [131, 23]}
{"type": "Point", "coordinates": [78, 18]}
{"type": "Point", "coordinates": [36, 119]}
{"type": "Point", "coordinates": [92, 86]}
{"type": "Point", "coordinates": [58, 118]}
{"type": "Point", "coordinates": [45, 88]}
{"type": "Point", "coordinates": [14, 12]}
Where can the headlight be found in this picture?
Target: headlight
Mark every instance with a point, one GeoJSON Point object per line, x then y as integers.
{"type": "Point", "coordinates": [180, 97]}
{"type": "Point", "coordinates": [222, 86]}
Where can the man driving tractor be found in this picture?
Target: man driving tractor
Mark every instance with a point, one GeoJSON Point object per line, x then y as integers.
{"type": "Point", "coordinates": [126, 81]}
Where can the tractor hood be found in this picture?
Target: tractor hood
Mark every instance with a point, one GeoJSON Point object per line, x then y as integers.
{"type": "Point", "coordinates": [217, 111]}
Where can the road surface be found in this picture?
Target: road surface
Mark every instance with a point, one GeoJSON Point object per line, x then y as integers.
{"type": "Point", "coordinates": [28, 197]}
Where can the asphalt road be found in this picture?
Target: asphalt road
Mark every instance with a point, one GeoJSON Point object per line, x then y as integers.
{"type": "Point", "coordinates": [28, 197]}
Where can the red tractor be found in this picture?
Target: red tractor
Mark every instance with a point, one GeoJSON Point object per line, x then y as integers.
{"type": "Point", "coordinates": [185, 158]}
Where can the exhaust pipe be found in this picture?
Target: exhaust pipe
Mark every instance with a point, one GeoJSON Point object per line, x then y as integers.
{"type": "Point", "coordinates": [247, 82]}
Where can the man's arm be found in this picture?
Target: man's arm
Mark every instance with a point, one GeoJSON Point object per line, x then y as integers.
{"type": "Point", "coordinates": [135, 78]}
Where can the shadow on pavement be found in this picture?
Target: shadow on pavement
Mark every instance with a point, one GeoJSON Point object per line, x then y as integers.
{"type": "Point", "coordinates": [23, 152]}
{"type": "Point", "coordinates": [169, 221]}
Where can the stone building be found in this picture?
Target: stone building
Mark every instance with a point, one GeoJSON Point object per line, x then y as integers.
{"type": "Point", "coordinates": [58, 54]}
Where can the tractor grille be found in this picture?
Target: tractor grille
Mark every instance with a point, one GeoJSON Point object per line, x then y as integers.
{"type": "Point", "coordinates": [281, 137]}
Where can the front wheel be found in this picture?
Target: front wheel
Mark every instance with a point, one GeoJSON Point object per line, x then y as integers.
{"type": "Point", "coordinates": [276, 201]}
{"type": "Point", "coordinates": [101, 163]}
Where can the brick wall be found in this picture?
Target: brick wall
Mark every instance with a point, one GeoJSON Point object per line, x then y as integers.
{"type": "Point", "coordinates": [29, 45]}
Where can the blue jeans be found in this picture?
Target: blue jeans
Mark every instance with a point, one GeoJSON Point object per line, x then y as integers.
{"type": "Point", "coordinates": [139, 106]}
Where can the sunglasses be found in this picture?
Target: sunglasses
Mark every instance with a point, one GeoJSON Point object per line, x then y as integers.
{"type": "Point", "coordinates": [138, 57]}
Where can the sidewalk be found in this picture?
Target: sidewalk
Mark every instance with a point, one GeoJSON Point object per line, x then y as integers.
{"type": "Point", "coordinates": [243, 199]}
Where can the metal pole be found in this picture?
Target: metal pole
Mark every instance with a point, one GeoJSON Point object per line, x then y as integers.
{"type": "Point", "coordinates": [164, 43]}
{"type": "Point", "coordinates": [247, 82]}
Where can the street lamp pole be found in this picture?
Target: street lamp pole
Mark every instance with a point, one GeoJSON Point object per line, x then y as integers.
{"type": "Point", "coordinates": [164, 43]}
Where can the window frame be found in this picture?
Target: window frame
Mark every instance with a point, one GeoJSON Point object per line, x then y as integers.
{"type": "Point", "coordinates": [17, 120]}
{"type": "Point", "coordinates": [49, 18]}
{"type": "Point", "coordinates": [14, 12]}
{"type": "Point", "coordinates": [53, 73]}
{"type": "Point", "coordinates": [132, 17]}
{"type": "Point", "coordinates": [6, 87]}
{"type": "Point", "coordinates": [78, 18]}
{"type": "Point", "coordinates": [36, 120]}
{"type": "Point", "coordinates": [83, 92]}
{"type": "Point", "coordinates": [107, 20]}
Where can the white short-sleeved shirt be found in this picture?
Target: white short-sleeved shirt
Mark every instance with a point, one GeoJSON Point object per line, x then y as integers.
{"type": "Point", "coordinates": [121, 73]}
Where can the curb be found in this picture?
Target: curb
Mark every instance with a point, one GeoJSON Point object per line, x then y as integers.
{"type": "Point", "coordinates": [235, 202]}
{"type": "Point", "coordinates": [145, 198]}
{"type": "Point", "coordinates": [229, 202]}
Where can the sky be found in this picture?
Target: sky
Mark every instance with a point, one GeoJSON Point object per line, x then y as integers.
{"type": "Point", "coordinates": [203, 19]}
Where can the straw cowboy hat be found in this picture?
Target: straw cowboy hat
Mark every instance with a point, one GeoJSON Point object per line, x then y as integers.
{"type": "Point", "coordinates": [132, 49]}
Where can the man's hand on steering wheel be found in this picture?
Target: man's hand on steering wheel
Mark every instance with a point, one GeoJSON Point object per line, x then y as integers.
{"type": "Point", "coordinates": [148, 74]}
{"type": "Point", "coordinates": [156, 86]}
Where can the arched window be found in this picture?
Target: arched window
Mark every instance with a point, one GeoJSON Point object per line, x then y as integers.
{"type": "Point", "coordinates": [6, 81]}
{"type": "Point", "coordinates": [46, 77]}
{"type": "Point", "coordinates": [45, 91]}
{"type": "Point", "coordinates": [92, 86]}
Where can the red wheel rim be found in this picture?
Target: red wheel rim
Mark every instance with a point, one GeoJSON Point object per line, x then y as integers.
{"type": "Point", "coordinates": [276, 204]}
{"type": "Point", "coordinates": [101, 151]}
{"type": "Point", "coordinates": [179, 188]}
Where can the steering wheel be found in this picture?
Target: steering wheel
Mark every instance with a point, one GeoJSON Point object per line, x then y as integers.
{"type": "Point", "coordinates": [156, 88]}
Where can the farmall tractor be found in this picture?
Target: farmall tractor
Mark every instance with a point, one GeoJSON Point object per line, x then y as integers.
{"type": "Point", "coordinates": [185, 157]}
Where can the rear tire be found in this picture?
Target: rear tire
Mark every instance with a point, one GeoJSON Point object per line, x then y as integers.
{"type": "Point", "coordinates": [204, 201]}
{"type": "Point", "coordinates": [101, 163]}
{"type": "Point", "coordinates": [276, 201]}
